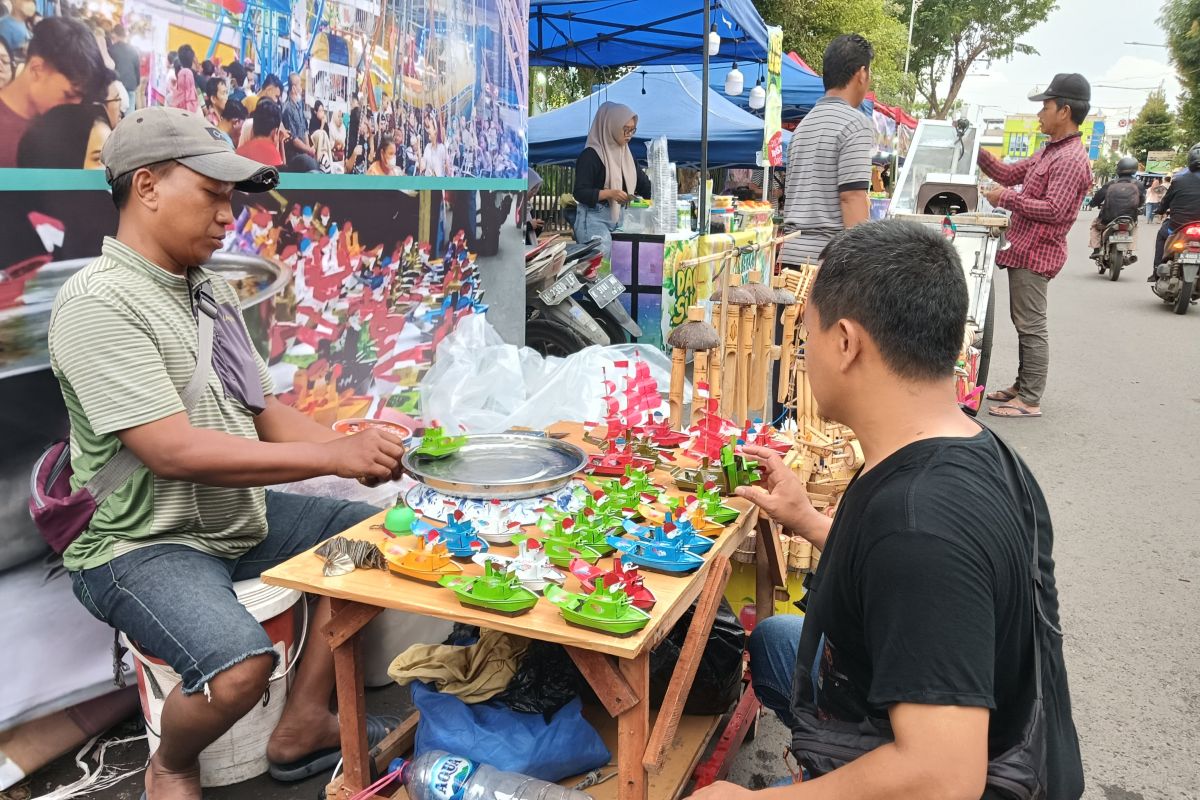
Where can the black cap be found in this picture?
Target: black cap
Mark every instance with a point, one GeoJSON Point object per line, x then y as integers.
{"type": "Point", "coordinates": [1066, 86]}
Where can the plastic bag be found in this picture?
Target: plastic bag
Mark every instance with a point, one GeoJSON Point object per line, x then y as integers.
{"type": "Point", "coordinates": [548, 678]}
{"type": "Point", "coordinates": [491, 733]}
{"type": "Point", "coordinates": [482, 385]}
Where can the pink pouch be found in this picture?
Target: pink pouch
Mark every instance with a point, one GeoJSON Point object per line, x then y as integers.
{"type": "Point", "coordinates": [60, 514]}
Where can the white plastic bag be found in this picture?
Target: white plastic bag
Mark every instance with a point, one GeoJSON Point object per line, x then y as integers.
{"type": "Point", "coordinates": [482, 385]}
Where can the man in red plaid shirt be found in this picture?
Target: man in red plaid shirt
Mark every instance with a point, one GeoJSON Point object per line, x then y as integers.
{"type": "Point", "coordinates": [1053, 183]}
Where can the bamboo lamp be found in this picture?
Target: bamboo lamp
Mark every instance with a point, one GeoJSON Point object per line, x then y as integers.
{"type": "Point", "coordinates": [761, 338]}
{"type": "Point", "coordinates": [698, 336]}
{"type": "Point", "coordinates": [742, 312]}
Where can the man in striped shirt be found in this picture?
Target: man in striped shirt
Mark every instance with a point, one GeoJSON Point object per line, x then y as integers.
{"type": "Point", "coordinates": [829, 157]}
{"type": "Point", "coordinates": [159, 556]}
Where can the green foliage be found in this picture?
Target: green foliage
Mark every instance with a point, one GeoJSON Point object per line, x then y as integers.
{"type": "Point", "coordinates": [951, 36]}
{"type": "Point", "coordinates": [808, 27]}
{"type": "Point", "coordinates": [1154, 128]}
{"type": "Point", "coordinates": [1104, 168]}
{"type": "Point", "coordinates": [564, 85]}
{"type": "Point", "coordinates": [1180, 20]}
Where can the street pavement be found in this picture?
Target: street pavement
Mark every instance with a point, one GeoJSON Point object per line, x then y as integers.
{"type": "Point", "coordinates": [1116, 455]}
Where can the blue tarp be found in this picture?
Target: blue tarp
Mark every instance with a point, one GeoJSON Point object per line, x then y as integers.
{"type": "Point", "coordinates": [801, 88]}
{"type": "Point", "coordinates": [606, 33]}
{"type": "Point", "coordinates": [670, 107]}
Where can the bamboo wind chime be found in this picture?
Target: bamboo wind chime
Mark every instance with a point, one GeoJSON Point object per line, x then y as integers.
{"type": "Point", "coordinates": [698, 337]}
{"type": "Point", "coordinates": [799, 283]}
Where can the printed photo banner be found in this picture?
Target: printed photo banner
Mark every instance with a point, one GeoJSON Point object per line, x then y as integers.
{"type": "Point", "coordinates": [772, 115]}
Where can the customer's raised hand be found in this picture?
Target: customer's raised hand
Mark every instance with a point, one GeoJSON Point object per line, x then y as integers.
{"type": "Point", "coordinates": [781, 494]}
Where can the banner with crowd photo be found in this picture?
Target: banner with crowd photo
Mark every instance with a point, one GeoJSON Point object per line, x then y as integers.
{"type": "Point", "coordinates": [885, 134]}
{"type": "Point", "coordinates": [395, 89]}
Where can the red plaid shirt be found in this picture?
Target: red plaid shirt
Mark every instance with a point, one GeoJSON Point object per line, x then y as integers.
{"type": "Point", "coordinates": [1053, 183]}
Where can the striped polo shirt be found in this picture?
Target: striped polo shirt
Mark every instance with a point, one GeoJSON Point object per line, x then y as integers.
{"type": "Point", "coordinates": [830, 152]}
{"type": "Point", "coordinates": [123, 347]}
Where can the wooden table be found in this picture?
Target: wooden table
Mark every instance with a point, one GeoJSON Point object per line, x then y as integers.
{"type": "Point", "coordinates": [618, 669]}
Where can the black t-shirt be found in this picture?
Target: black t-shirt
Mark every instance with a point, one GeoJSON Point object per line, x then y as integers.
{"type": "Point", "coordinates": [590, 176]}
{"type": "Point", "coordinates": [924, 595]}
{"type": "Point", "coordinates": [1181, 203]}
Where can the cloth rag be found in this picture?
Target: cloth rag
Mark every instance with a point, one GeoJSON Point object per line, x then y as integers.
{"type": "Point", "coordinates": [473, 673]}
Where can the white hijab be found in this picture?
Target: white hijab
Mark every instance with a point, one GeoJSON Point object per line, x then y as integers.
{"type": "Point", "coordinates": [607, 138]}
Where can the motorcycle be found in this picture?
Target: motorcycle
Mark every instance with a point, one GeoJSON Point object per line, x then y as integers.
{"type": "Point", "coordinates": [568, 304]}
{"type": "Point", "coordinates": [1176, 276]}
{"type": "Point", "coordinates": [1116, 247]}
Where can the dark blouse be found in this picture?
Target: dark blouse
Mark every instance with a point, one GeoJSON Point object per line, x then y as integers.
{"type": "Point", "coordinates": [590, 175]}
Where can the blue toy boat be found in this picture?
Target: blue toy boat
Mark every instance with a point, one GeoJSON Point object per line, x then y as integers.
{"type": "Point", "coordinates": [460, 537]}
{"type": "Point", "coordinates": [670, 557]}
{"type": "Point", "coordinates": [682, 534]}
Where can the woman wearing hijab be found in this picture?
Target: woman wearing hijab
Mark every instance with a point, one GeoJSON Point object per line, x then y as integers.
{"type": "Point", "coordinates": [606, 176]}
{"type": "Point", "coordinates": [318, 137]}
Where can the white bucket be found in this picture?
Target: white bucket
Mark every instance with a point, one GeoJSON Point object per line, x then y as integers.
{"type": "Point", "coordinates": [241, 753]}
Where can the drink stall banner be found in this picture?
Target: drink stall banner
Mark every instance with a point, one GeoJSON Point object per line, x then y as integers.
{"type": "Point", "coordinates": [773, 126]}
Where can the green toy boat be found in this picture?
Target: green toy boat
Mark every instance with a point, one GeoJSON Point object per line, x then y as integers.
{"type": "Point", "coordinates": [603, 610]}
{"type": "Point", "coordinates": [436, 444]}
{"type": "Point", "coordinates": [564, 541]}
{"type": "Point", "coordinates": [496, 590]}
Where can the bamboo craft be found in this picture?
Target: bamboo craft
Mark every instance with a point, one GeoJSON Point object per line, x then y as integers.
{"type": "Point", "coordinates": [745, 345]}
{"type": "Point", "coordinates": [695, 335]}
{"type": "Point", "coordinates": [763, 339]}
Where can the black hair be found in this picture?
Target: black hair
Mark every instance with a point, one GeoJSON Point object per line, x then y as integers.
{"type": "Point", "coordinates": [207, 68]}
{"type": "Point", "coordinates": [1079, 108]}
{"type": "Point", "coordinates": [68, 46]}
{"type": "Point", "coordinates": [267, 117]}
{"type": "Point", "coordinates": [212, 86]}
{"type": "Point", "coordinates": [844, 57]}
{"type": "Point", "coordinates": [384, 141]}
{"type": "Point", "coordinates": [234, 110]}
{"type": "Point", "coordinates": [122, 185]}
{"type": "Point", "coordinates": [58, 139]}
{"type": "Point", "coordinates": [271, 80]}
{"type": "Point", "coordinates": [119, 30]}
{"type": "Point", "coordinates": [187, 56]}
{"type": "Point", "coordinates": [237, 73]}
{"type": "Point", "coordinates": [902, 282]}
{"type": "Point", "coordinates": [314, 124]}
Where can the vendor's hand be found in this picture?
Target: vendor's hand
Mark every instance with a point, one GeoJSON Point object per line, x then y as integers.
{"type": "Point", "coordinates": [614, 194]}
{"type": "Point", "coordinates": [993, 195]}
{"type": "Point", "coordinates": [784, 498]}
{"type": "Point", "coordinates": [722, 790]}
{"type": "Point", "coordinates": [371, 456]}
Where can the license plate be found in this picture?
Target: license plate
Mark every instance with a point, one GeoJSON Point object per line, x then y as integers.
{"type": "Point", "coordinates": [563, 288]}
{"type": "Point", "coordinates": [607, 289]}
{"type": "Point", "coordinates": [1189, 258]}
{"type": "Point", "coordinates": [1120, 238]}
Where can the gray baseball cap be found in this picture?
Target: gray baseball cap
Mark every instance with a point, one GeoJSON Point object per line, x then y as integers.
{"type": "Point", "coordinates": [150, 135]}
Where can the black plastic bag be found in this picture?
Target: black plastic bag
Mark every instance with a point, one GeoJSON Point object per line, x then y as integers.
{"type": "Point", "coordinates": [548, 679]}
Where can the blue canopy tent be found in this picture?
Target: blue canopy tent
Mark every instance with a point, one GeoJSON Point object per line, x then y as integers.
{"type": "Point", "coordinates": [609, 33]}
{"type": "Point", "coordinates": [672, 95]}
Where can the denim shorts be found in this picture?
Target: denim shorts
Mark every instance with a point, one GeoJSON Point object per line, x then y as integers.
{"type": "Point", "coordinates": [178, 603]}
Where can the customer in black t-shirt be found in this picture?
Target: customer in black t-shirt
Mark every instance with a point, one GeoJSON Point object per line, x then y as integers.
{"type": "Point", "coordinates": [920, 618]}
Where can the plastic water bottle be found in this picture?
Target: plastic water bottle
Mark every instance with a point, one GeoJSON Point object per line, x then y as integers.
{"type": "Point", "coordinates": [437, 775]}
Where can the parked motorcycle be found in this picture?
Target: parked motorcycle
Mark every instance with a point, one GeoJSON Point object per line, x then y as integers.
{"type": "Point", "coordinates": [568, 304]}
{"type": "Point", "coordinates": [1176, 275]}
{"type": "Point", "coordinates": [1116, 247]}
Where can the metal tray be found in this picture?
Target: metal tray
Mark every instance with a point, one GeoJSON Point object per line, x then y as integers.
{"type": "Point", "coordinates": [505, 466]}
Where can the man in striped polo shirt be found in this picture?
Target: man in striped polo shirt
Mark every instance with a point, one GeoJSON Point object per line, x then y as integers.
{"type": "Point", "coordinates": [829, 157]}
{"type": "Point", "coordinates": [159, 556]}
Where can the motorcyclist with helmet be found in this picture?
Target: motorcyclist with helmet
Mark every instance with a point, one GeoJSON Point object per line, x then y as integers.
{"type": "Point", "coordinates": [1119, 198]}
{"type": "Point", "coordinates": [1179, 206]}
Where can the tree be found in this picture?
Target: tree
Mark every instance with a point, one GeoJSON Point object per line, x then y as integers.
{"type": "Point", "coordinates": [1154, 128]}
{"type": "Point", "coordinates": [808, 27]}
{"type": "Point", "coordinates": [563, 85]}
{"type": "Point", "coordinates": [1180, 20]}
{"type": "Point", "coordinates": [951, 36]}
{"type": "Point", "coordinates": [1104, 168]}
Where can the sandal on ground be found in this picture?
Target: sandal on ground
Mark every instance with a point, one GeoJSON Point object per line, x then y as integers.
{"type": "Point", "coordinates": [1020, 412]}
{"type": "Point", "coordinates": [1002, 395]}
{"type": "Point", "coordinates": [324, 760]}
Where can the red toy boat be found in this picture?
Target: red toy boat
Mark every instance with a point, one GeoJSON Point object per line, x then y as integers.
{"type": "Point", "coordinates": [627, 580]}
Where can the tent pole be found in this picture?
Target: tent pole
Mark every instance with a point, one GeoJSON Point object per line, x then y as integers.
{"type": "Point", "coordinates": [702, 208]}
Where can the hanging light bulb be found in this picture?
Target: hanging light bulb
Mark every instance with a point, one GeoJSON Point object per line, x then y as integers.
{"type": "Point", "coordinates": [714, 40]}
{"type": "Point", "coordinates": [734, 82]}
{"type": "Point", "coordinates": [758, 96]}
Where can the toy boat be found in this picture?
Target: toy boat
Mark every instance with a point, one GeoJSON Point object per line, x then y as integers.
{"type": "Point", "coordinates": [496, 590]}
{"type": "Point", "coordinates": [709, 500]}
{"type": "Point", "coordinates": [628, 580]}
{"type": "Point", "coordinates": [728, 474]}
{"type": "Point", "coordinates": [564, 541]}
{"type": "Point", "coordinates": [691, 512]}
{"type": "Point", "coordinates": [604, 609]}
{"type": "Point", "coordinates": [613, 462]}
{"type": "Point", "coordinates": [659, 432]}
{"type": "Point", "coordinates": [497, 526]}
{"type": "Point", "coordinates": [670, 556]}
{"type": "Point", "coordinates": [531, 565]}
{"type": "Point", "coordinates": [429, 561]}
{"type": "Point", "coordinates": [460, 538]}
{"type": "Point", "coordinates": [436, 444]}
{"type": "Point", "coordinates": [670, 531]}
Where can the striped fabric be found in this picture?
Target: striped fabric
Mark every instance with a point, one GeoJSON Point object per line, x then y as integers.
{"type": "Point", "coordinates": [830, 152]}
{"type": "Point", "coordinates": [123, 346]}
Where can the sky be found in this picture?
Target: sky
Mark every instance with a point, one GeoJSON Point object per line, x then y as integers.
{"type": "Point", "coordinates": [1085, 36]}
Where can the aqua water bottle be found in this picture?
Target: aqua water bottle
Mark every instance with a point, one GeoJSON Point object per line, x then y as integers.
{"type": "Point", "coordinates": [437, 775]}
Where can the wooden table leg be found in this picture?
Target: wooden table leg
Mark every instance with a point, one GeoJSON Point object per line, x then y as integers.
{"type": "Point", "coordinates": [764, 580]}
{"type": "Point", "coordinates": [633, 730]}
{"type": "Point", "coordinates": [351, 697]}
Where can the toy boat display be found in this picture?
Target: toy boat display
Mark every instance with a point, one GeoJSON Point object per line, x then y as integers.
{"type": "Point", "coordinates": [531, 565]}
{"type": "Point", "coordinates": [671, 531]}
{"type": "Point", "coordinates": [563, 543]}
{"type": "Point", "coordinates": [496, 590]}
{"type": "Point", "coordinates": [669, 556]}
{"type": "Point", "coordinates": [605, 609]}
{"type": "Point", "coordinates": [613, 461]}
{"type": "Point", "coordinates": [428, 561]}
{"type": "Point", "coordinates": [460, 537]}
{"type": "Point", "coordinates": [709, 501]}
{"type": "Point", "coordinates": [728, 474]}
{"type": "Point", "coordinates": [658, 431]}
{"type": "Point", "coordinates": [690, 511]}
{"type": "Point", "coordinates": [627, 579]}
{"type": "Point", "coordinates": [436, 444]}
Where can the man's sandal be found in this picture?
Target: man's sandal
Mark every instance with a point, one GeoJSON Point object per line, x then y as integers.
{"type": "Point", "coordinates": [1001, 395]}
{"type": "Point", "coordinates": [1020, 412]}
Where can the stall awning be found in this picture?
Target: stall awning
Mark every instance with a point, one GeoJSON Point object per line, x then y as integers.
{"type": "Point", "coordinates": [603, 33]}
{"type": "Point", "coordinates": [670, 107]}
